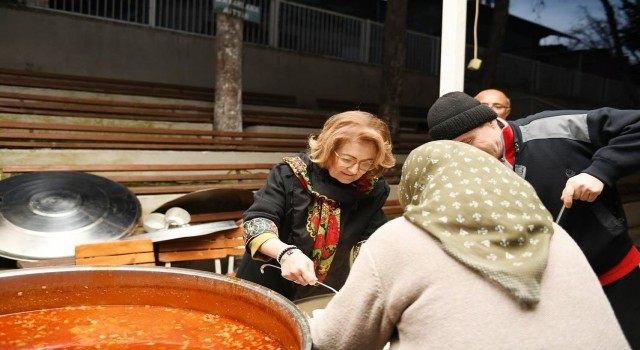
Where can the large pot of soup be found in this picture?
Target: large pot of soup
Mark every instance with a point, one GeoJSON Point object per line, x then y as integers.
{"type": "Point", "coordinates": [130, 307]}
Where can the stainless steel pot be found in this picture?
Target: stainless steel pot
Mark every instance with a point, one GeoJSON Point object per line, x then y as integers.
{"type": "Point", "coordinates": [259, 307]}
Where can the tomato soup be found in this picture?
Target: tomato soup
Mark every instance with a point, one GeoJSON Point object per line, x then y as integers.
{"type": "Point", "coordinates": [128, 327]}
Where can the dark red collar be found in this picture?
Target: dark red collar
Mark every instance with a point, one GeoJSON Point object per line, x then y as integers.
{"type": "Point", "coordinates": [509, 148]}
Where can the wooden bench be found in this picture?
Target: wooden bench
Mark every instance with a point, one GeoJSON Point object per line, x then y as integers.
{"type": "Point", "coordinates": [283, 117]}
{"type": "Point", "coordinates": [130, 252]}
{"type": "Point", "coordinates": [411, 117]}
{"type": "Point", "coordinates": [118, 108]}
{"type": "Point", "coordinates": [217, 246]}
{"type": "Point", "coordinates": [14, 77]}
{"type": "Point", "coordinates": [172, 178]}
{"type": "Point", "coordinates": [76, 136]}
{"type": "Point", "coordinates": [163, 178]}
{"type": "Point", "coordinates": [23, 103]}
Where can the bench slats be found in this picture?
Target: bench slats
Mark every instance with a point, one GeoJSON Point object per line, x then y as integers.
{"type": "Point", "coordinates": [23, 168]}
{"type": "Point", "coordinates": [52, 135]}
{"type": "Point", "coordinates": [192, 188]}
{"type": "Point", "coordinates": [129, 252]}
{"type": "Point", "coordinates": [141, 139]}
{"type": "Point", "coordinates": [46, 80]}
{"type": "Point", "coordinates": [130, 146]}
{"type": "Point", "coordinates": [213, 246]}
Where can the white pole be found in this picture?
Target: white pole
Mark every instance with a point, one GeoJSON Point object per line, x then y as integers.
{"type": "Point", "coordinates": [452, 47]}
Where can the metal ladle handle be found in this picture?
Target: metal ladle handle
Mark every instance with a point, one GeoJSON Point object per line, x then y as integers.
{"type": "Point", "coordinates": [560, 214]}
{"type": "Point", "coordinates": [278, 267]}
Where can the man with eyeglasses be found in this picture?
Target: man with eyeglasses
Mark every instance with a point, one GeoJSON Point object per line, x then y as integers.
{"type": "Point", "coordinates": [573, 159]}
{"type": "Point", "coordinates": [496, 100]}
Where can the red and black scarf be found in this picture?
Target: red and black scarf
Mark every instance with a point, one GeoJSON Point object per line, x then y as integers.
{"type": "Point", "coordinates": [323, 221]}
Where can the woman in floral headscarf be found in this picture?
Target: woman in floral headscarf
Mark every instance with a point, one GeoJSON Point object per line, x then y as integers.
{"type": "Point", "coordinates": [317, 206]}
{"type": "Point", "coordinates": [474, 263]}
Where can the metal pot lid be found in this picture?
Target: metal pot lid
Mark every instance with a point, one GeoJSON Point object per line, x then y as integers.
{"type": "Point", "coordinates": [186, 231]}
{"type": "Point", "coordinates": [44, 215]}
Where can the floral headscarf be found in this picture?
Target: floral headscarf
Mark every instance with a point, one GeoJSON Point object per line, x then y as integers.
{"type": "Point", "coordinates": [481, 212]}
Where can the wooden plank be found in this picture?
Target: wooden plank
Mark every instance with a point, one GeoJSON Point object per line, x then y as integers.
{"type": "Point", "coordinates": [67, 113]}
{"type": "Point", "coordinates": [226, 234]}
{"type": "Point", "coordinates": [94, 84]}
{"type": "Point", "coordinates": [282, 121]}
{"type": "Point", "coordinates": [212, 246]}
{"type": "Point", "coordinates": [198, 254]}
{"type": "Point", "coordinates": [107, 102]}
{"type": "Point", "coordinates": [113, 248]}
{"type": "Point", "coordinates": [132, 130]}
{"type": "Point", "coordinates": [173, 246]}
{"type": "Point", "coordinates": [289, 113]}
{"type": "Point", "coordinates": [192, 188]}
{"type": "Point", "coordinates": [130, 87]}
{"type": "Point", "coordinates": [192, 255]}
{"type": "Point", "coordinates": [24, 168]}
{"type": "Point", "coordinates": [142, 139]}
{"type": "Point", "coordinates": [130, 252]}
{"type": "Point", "coordinates": [192, 178]}
{"type": "Point", "coordinates": [44, 107]}
{"type": "Point", "coordinates": [109, 145]}
{"type": "Point", "coordinates": [146, 259]}
{"type": "Point", "coordinates": [235, 251]}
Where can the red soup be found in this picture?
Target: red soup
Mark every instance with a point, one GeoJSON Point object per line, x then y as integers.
{"type": "Point", "coordinates": [127, 327]}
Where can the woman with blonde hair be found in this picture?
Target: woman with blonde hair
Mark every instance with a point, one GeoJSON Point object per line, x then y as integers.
{"type": "Point", "coordinates": [318, 206]}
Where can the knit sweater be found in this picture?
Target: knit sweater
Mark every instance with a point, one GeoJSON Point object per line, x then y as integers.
{"type": "Point", "coordinates": [405, 289]}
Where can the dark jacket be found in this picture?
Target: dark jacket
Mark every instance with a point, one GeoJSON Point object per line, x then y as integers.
{"type": "Point", "coordinates": [284, 201]}
{"type": "Point", "coordinates": [605, 143]}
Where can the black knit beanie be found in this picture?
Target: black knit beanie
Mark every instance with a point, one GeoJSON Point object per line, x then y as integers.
{"type": "Point", "coordinates": [455, 113]}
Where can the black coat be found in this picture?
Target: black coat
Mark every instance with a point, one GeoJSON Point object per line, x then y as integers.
{"type": "Point", "coordinates": [605, 143]}
{"type": "Point", "coordinates": [284, 201]}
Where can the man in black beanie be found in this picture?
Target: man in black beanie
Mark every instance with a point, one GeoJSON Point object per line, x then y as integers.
{"type": "Point", "coordinates": [566, 156]}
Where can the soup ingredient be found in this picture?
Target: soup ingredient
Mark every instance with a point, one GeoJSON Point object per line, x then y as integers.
{"type": "Point", "coordinates": [128, 327]}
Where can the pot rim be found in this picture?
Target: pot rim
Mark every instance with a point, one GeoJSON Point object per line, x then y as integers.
{"type": "Point", "coordinates": [289, 307]}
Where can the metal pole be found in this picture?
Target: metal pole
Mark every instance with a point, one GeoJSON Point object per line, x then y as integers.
{"type": "Point", "coordinates": [454, 21]}
{"type": "Point", "coordinates": [152, 13]}
{"type": "Point", "coordinates": [274, 19]}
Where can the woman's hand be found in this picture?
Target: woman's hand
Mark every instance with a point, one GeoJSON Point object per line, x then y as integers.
{"type": "Point", "coordinates": [297, 267]}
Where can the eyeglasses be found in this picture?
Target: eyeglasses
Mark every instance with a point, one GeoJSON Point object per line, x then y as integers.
{"type": "Point", "coordinates": [349, 161]}
{"type": "Point", "coordinates": [496, 106]}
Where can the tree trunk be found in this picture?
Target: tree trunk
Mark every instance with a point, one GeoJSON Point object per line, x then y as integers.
{"type": "Point", "coordinates": [227, 114]}
{"type": "Point", "coordinates": [623, 64]}
{"type": "Point", "coordinates": [498, 27]}
{"type": "Point", "coordinates": [393, 59]}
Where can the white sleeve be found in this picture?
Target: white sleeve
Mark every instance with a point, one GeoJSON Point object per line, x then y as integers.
{"type": "Point", "coordinates": [356, 317]}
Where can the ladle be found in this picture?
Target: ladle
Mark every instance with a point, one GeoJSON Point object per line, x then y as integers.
{"type": "Point", "coordinates": [278, 267]}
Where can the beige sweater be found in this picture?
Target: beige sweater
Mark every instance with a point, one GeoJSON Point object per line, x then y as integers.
{"type": "Point", "coordinates": [404, 289]}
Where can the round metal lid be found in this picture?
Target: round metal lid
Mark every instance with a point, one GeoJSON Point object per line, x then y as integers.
{"type": "Point", "coordinates": [44, 215]}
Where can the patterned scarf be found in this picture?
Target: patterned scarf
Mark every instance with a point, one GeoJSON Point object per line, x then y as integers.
{"type": "Point", "coordinates": [481, 212]}
{"type": "Point", "coordinates": [323, 221]}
